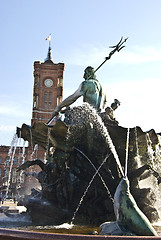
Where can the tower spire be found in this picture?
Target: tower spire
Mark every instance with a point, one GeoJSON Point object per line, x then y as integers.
{"type": "Point", "coordinates": [49, 54]}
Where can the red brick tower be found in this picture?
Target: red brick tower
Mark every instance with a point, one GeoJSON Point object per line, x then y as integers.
{"type": "Point", "coordinates": [48, 88]}
{"type": "Point", "coordinates": [47, 94]}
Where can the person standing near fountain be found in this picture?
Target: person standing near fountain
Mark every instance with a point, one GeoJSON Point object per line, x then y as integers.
{"type": "Point", "coordinates": [90, 89]}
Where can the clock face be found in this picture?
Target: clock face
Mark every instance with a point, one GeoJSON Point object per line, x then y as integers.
{"type": "Point", "coordinates": [48, 82]}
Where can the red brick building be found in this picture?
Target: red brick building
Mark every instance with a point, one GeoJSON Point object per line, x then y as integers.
{"type": "Point", "coordinates": [47, 94]}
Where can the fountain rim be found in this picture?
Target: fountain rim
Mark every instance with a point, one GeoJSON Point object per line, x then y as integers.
{"type": "Point", "coordinates": [26, 235]}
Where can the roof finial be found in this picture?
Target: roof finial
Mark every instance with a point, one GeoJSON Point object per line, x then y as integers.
{"type": "Point", "coordinates": [49, 57]}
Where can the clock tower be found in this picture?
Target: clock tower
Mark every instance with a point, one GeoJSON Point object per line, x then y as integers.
{"type": "Point", "coordinates": [48, 88]}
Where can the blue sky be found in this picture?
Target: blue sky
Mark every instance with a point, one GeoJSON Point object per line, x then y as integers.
{"type": "Point", "coordinates": [82, 32]}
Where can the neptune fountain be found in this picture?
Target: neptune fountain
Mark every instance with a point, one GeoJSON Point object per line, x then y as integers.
{"type": "Point", "coordinates": [76, 148]}
{"type": "Point", "coordinates": [91, 162]}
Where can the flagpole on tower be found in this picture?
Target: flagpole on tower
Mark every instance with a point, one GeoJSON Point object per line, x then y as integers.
{"type": "Point", "coordinates": [49, 39]}
{"type": "Point", "coordinates": [49, 58]}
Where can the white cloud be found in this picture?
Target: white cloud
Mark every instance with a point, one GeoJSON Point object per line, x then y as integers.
{"type": "Point", "coordinates": [13, 107]}
{"type": "Point", "coordinates": [139, 55]}
{"type": "Point", "coordinates": [85, 56]}
{"type": "Point", "coordinates": [6, 134]}
{"type": "Point", "coordinates": [7, 128]}
{"type": "Point", "coordinates": [89, 55]}
{"type": "Point", "coordinates": [12, 114]}
{"type": "Point", "coordinates": [11, 110]}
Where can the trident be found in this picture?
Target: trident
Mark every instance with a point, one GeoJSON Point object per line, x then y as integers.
{"type": "Point", "coordinates": [116, 48]}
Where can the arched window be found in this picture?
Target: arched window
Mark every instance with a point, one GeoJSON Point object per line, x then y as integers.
{"type": "Point", "coordinates": [59, 82]}
{"type": "Point", "coordinates": [22, 178]}
{"type": "Point", "coordinates": [59, 100]}
{"type": "Point", "coordinates": [22, 160]}
{"type": "Point", "coordinates": [14, 175]}
{"type": "Point", "coordinates": [7, 161]}
{"type": "Point", "coordinates": [50, 100]}
{"type": "Point", "coordinates": [35, 101]}
{"type": "Point", "coordinates": [15, 161]}
{"type": "Point", "coordinates": [6, 175]}
{"type": "Point", "coordinates": [45, 100]}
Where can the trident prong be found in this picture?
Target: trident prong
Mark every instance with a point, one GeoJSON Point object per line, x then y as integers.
{"type": "Point", "coordinates": [117, 48]}
{"type": "Point", "coordinates": [116, 44]}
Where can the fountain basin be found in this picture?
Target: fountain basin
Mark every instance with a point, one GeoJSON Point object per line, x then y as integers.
{"type": "Point", "coordinates": [7, 234]}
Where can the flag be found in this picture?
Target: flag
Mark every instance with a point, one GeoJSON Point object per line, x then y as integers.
{"type": "Point", "coordinates": [48, 38]}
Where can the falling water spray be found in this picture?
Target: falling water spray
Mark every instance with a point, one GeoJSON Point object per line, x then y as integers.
{"type": "Point", "coordinates": [104, 184]}
{"type": "Point", "coordinates": [137, 149]}
{"type": "Point", "coordinates": [85, 192]}
{"type": "Point", "coordinates": [11, 164]}
{"type": "Point", "coordinates": [127, 146]}
{"type": "Point", "coordinates": [150, 150]}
